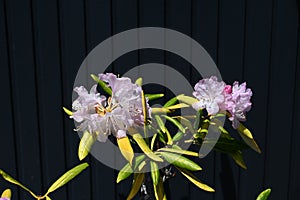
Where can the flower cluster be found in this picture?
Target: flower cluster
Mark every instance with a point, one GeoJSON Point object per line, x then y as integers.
{"type": "Point", "coordinates": [216, 96]}
{"type": "Point", "coordinates": [114, 115]}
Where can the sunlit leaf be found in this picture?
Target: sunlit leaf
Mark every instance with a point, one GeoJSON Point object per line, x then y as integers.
{"type": "Point", "coordinates": [136, 185]}
{"type": "Point", "coordinates": [126, 171]}
{"type": "Point", "coordinates": [154, 96]}
{"type": "Point", "coordinates": [139, 81]}
{"type": "Point", "coordinates": [264, 195]}
{"type": "Point", "coordinates": [175, 122]}
{"type": "Point", "coordinates": [179, 151]}
{"type": "Point", "coordinates": [6, 193]}
{"type": "Point", "coordinates": [178, 136]}
{"type": "Point", "coordinates": [195, 180]}
{"type": "Point", "coordinates": [48, 198]}
{"type": "Point", "coordinates": [180, 161]}
{"type": "Point", "coordinates": [155, 175]}
{"type": "Point", "coordinates": [12, 180]}
{"type": "Point", "coordinates": [187, 99]}
{"type": "Point", "coordinates": [85, 145]}
{"type": "Point", "coordinates": [159, 190]}
{"type": "Point", "coordinates": [159, 111]}
{"type": "Point", "coordinates": [153, 141]}
{"type": "Point", "coordinates": [144, 147]}
{"type": "Point", "coordinates": [186, 123]}
{"type": "Point", "coordinates": [178, 106]}
{"type": "Point", "coordinates": [248, 138]}
{"type": "Point", "coordinates": [126, 149]}
{"type": "Point", "coordinates": [66, 177]}
{"type": "Point", "coordinates": [170, 102]}
{"type": "Point", "coordinates": [102, 84]}
{"type": "Point", "coordinates": [67, 111]}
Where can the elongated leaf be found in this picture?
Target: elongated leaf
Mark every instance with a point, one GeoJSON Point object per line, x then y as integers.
{"type": "Point", "coordinates": [187, 99]}
{"type": "Point", "coordinates": [177, 136]}
{"type": "Point", "coordinates": [126, 149]}
{"type": "Point", "coordinates": [139, 81]}
{"type": "Point", "coordinates": [264, 195]}
{"type": "Point", "coordinates": [175, 122]}
{"type": "Point", "coordinates": [248, 138]}
{"type": "Point", "coordinates": [164, 129]}
{"type": "Point", "coordinates": [171, 102]}
{"type": "Point", "coordinates": [186, 123]}
{"type": "Point", "coordinates": [48, 198]}
{"type": "Point", "coordinates": [136, 185]}
{"type": "Point", "coordinates": [70, 113]}
{"type": "Point", "coordinates": [155, 175]}
{"type": "Point", "coordinates": [66, 177]}
{"type": "Point", "coordinates": [126, 171]}
{"type": "Point", "coordinates": [198, 119]}
{"type": "Point", "coordinates": [159, 190]}
{"type": "Point", "coordinates": [238, 158]}
{"type": "Point", "coordinates": [179, 151]}
{"type": "Point", "coordinates": [178, 106]}
{"type": "Point", "coordinates": [85, 145]}
{"type": "Point", "coordinates": [102, 84]}
{"type": "Point", "coordinates": [153, 141]}
{"type": "Point", "coordinates": [180, 161]}
{"type": "Point", "coordinates": [6, 193]}
{"type": "Point", "coordinates": [154, 96]}
{"type": "Point", "coordinates": [144, 147]}
{"type": "Point", "coordinates": [12, 180]}
{"type": "Point", "coordinates": [195, 180]}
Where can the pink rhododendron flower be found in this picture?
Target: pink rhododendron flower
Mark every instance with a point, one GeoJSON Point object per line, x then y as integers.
{"type": "Point", "coordinates": [239, 103]}
{"type": "Point", "coordinates": [209, 92]}
{"type": "Point", "coordinates": [114, 115]}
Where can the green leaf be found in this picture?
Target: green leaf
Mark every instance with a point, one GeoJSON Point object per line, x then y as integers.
{"type": "Point", "coordinates": [136, 185]}
{"type": "Point", "coordinates": [48, 198]}
{"type": "Point", "coordinates": [179, 151]}
{"type": "Point", "coordinates": [6, 193]}
{"type": "Point", "coordinates": [186, 123]}
{"type": "Point", "coordinates": [155, 111]}
{"type": "Point", "coordinates": [66, 177]}
{"type": "Point", "coordinates": [178, 106]}
{"type": "Point", "coordinates": [175, 122]}
{"type": "Point", "coordinates": [12, 180]}
{"type": "Point", "coordinates": [153, 141]}
{"type": "Point", "coordinates": [159, 190]}
{"type": "Point", "coordinates": [164, 129]}
{"type": "Point", "coordinates": [177, 136]}
{"type": "Point", "coordinates": [85, 145]}
{"type": "Point", "coordinates": [198, 119]}
{"type": "Point", "coordinates": [264, 195]}
{"type": "Point", "coordinates": [144, 147]}
{"type": "Point", "coordinates": [70, 113]}
{"type": "Point", "coordinates": [126, 149]}
{"type": "Point", "coordinates": [248, 138]}
{"type": "Point", "coordinates": [170, 102]}
{"type": "Point", "coordinates": [187, 99]}
{"type": "Point", "coordinates": [139, 81]}
{"type": "Point", "coordinates": [195, 180]}
{"type": "Point", "coordinates": [154, 96]}
{"type": "Point", "coordinates": [154, 172]}
{"type": "Point", "coordinates": [102, 84]}
{"type": "Point", "coordinates": [180, 161]}
{"type": "Point", "coordinates": [126, 171]}
{"type": "Point", "coordinates": [238, 158]}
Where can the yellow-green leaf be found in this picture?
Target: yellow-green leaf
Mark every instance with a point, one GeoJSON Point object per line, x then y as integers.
{"type": "Point", "coordinates": [139, 81]}
{"type": "Point", "coordinates": [177, 136]}
{"type": "Point", "coordinates": [48, 198]}
{"type": "Point", "coordinates": [248, 138]}
{"type": "Point", "coordinates": [187, 99]}
{"type": "Point", "coordinates": [159, 190]}
{"type": "Point", "coordinates": [238, 158]}
{"type": "Point", "coordinates": [153, 141]}
{"type": "Point", "coordinates": [159, 111]}
{"type": "Point", "coordinates": [12, 180]}
{"type": "Point", "coordinates": [195, 180]}
{"type": "Point", "coordinates": [144, 147]}
{"type": "Point", "coordinates": [170, 102]}
{"type": "Point", "coordinates": [175, 122]}
{"type": "Point", "coordinates": [126, 149]}
{"type": "Point", "coordinates": [155, 175]}
{"type": "Point", "coordinates": [178, 106]}
{"type": "Point", "coordinates": [102, 84]}
{"type": "Point", "coordinates": [164, 129]}
{"type": "Point", "coordinates": [66, 177]}
{"type": "Point", "coordinates": [85, 145]}
{"type": "Point", "coordinates": [186, 123]}
{"type": "Point", "coordinates": [136, 185]}
{"type": "Point", "coordinates": [67, 111]}
{"type": "Point", "coordinates": [154, 96]}
{"type": "Point", "coordinates": [264, 194]}
{"type": "Point", "coordinates": [180, 161]}
{"type": "Point", "coordinates": [6, 193]}
{"type": "Point", "coordinates": [179, 151]}
{"type": "Point", "coordinates": [126, 171]}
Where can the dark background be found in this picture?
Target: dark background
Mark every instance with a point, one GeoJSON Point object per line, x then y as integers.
{"type": "Point", "coordinates": [43, 42]}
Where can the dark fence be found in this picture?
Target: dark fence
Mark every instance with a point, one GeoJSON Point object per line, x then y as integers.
{"type": "Point", "coordinates": [43, 42]}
